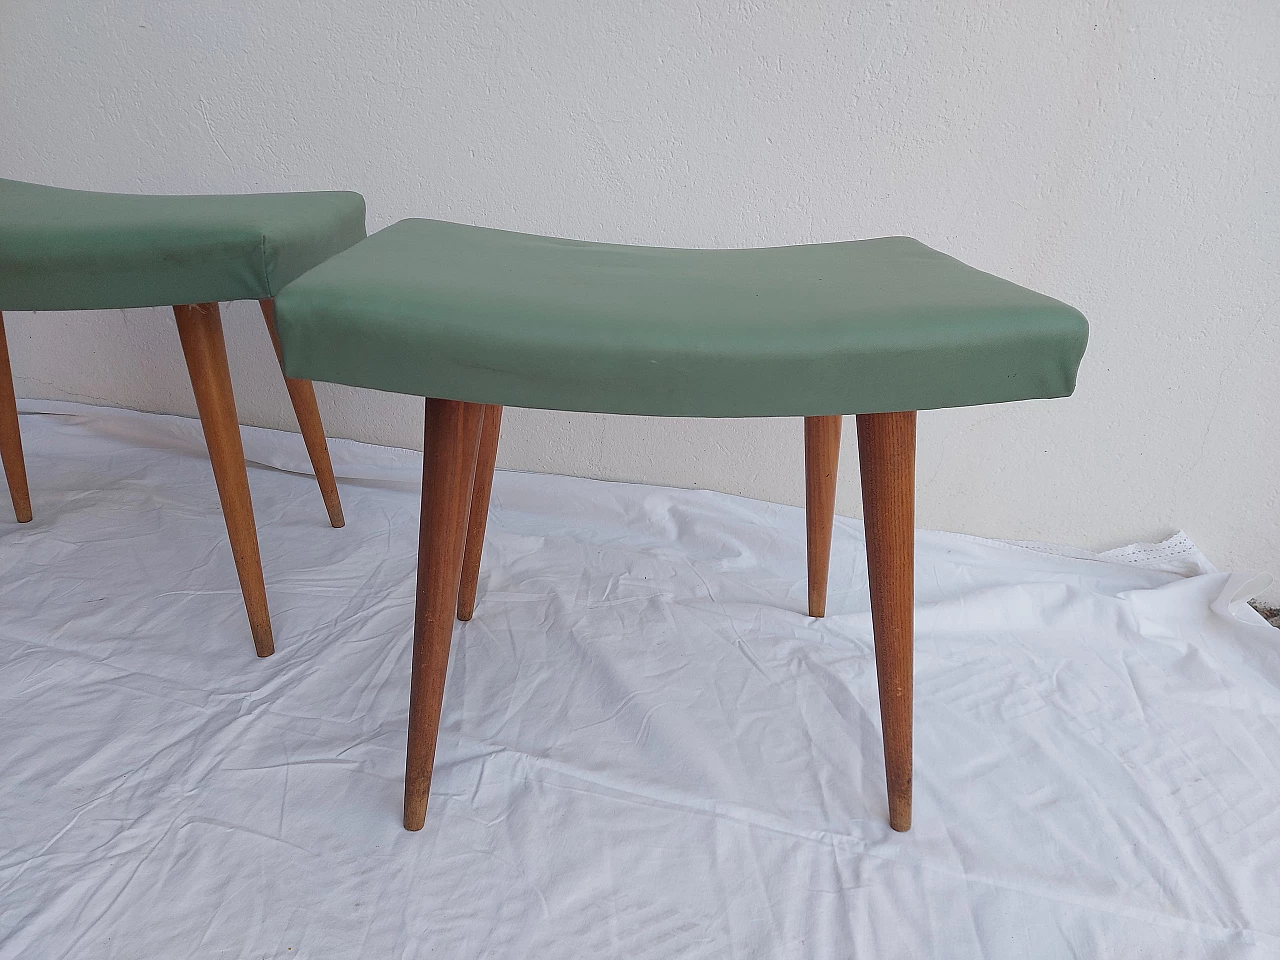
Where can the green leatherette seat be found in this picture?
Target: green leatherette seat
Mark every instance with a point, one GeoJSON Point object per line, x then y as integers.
{"type": "Point", "coordinates": [467, 313]}
{"type": "Point", "coordinates": [77, 250]}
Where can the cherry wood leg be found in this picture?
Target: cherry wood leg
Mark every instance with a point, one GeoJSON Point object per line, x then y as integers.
{"type": "Point", "coordinates": [450, 443]}
{"type": "Point", "coordinates": [200, 327]}
{"type": "Point", "coordinates": [490, 428]}
{"type": "Point", "coordinates": [15, 467]}
{"type": "Point", "coordinates": [887, 453]}
{"type": "Point", "coordinates": [303, 396]}
{"type": "Point", "coordinates": [821, 463]}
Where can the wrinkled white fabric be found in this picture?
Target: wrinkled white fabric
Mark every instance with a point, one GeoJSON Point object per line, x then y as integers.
{"type": "Point", "coordinates": [647, 749]}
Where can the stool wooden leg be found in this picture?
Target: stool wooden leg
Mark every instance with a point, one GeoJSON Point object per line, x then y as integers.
{"type": "Point", "coordinates": [200, 327]}
{"type": "Point", "coordinates": [450, 442]}
{"type": "Point", "coordinates": [887, 453]}
{"type": "Point", "coordinates": [15, 467]}
{"type": "Point", "coordinates": [479, 519]}
{"type": "Point", "coordinates": [821, 463]}
{"type": "Point", "coordinates": [303, 396]}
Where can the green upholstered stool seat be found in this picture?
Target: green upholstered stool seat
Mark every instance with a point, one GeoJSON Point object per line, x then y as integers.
{"type": "Point", "coordinates": [77, 250]}
{"type": "Point", "coordinates": [466, 313]}
{"type": "Point", "coordinates": [476, 319]}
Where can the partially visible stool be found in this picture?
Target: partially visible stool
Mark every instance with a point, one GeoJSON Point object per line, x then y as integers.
{"type": "Point", "coordinates": [76, 250]}
{"type": "Point", "coordinates": [475, 319]}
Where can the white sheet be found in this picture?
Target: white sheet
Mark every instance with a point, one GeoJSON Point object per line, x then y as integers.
{"type": "Point", "coordinates": [647, 749]}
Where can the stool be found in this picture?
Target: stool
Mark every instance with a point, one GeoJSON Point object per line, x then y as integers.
{"type": "Point", "coordinates": [76, 250]}
{"type": "Point", "coordinates": [475, 319]}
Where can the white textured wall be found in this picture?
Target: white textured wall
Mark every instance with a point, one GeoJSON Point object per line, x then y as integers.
{"type": "Point", "coordinates": [1122, 156]}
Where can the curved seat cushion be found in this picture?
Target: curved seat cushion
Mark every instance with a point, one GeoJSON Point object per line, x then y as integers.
{"type": "Point", "coordinates": [77, 250]}
{"type": "Point", "coordinates": [468, 313]}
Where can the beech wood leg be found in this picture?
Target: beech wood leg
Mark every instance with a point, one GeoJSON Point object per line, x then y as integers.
{"type": "Point", "coordinates": [490, 428]}
{"type": "Point", "coordinates": [887, 454]}
{"type": "Point", "coordinates": [450, 441]}
{"type": "Point", "coordinates": [821, 463]}
{"type": "Point", "coordinates": [15, 467]}
{"type": "Point", "coordinates": [303, 396]}
{"type": "Point", "coordinates": [200, 327]}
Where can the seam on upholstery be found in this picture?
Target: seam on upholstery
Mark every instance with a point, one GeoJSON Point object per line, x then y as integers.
{"type": "Point", "coordinates": [266, 274]}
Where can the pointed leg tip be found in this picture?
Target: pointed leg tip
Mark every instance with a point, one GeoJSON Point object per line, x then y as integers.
{"type": "Point", "coordinates": [333, 506]}
{"type": "Point", "coordinates": [414, 817]}
{"type": "Point", "coordinates": [900, 820]}
{"type": "Point", "coordinates": [264, 644]}
{"type": "Point", "coordinates": [21, 506]}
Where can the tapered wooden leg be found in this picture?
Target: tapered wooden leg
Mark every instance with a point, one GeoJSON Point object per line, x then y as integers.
{"type": "Point", "coordinates": [15, 467]}
{"type": "Point", "coordinates": [490, 428]}
{"type": "Point", "coordinates": [200, 327]}
{"type": "Point", "coordinates": [303, 396]}
{"type": "Point", "coordinates": [450, 443]}
{"type": "Point", "coordinates": [887, 454]}
{"type": "Point", "coordinates": [821, 463]}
